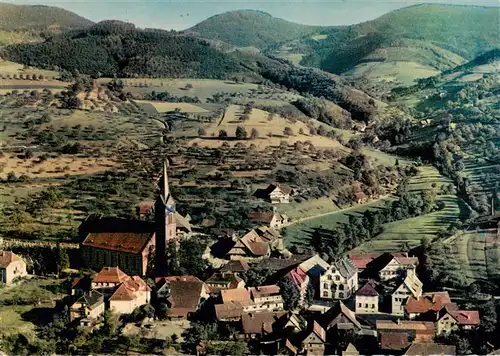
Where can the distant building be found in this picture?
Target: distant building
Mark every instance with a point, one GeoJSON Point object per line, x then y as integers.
{"type": "Point", "coordinates": [108, 279]}
{"type": "Point", "coordinates": [449, 318]}
{"type": "Point", "coordinates": [11, 267]}
{"type": "Point", "coordinates": [367, 298]}
{"type": "Point", "coordinates": [278, 194]}
{"type": "Point", "coordinates": [339, 281]}
{"type": "Point", "coordinates": [389, 266]}
{"type": "Point", "coordinates": [313, 340]}
{"type": "Point", "coordinates": [273, 220]}
{"type": "Point", "coordinates": [219, 281]}
{"type": "Point", "coordinates": [339, 317]}
{"type": "Point", "coordinates": [419, 331]}
{"type": "Point", "coordinates": [87, 307]}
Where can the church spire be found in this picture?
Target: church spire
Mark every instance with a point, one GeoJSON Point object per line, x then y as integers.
{"type": "Point", "coordinates": [166, 189]}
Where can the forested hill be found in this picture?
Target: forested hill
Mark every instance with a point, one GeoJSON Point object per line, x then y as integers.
{"type": "Point", "coordinates": [251, 28]}
{"type": "Point", "coordinates": [464, 31]}
{"type": "Point", "coordinates": [118, 48]}
{"type": "Point", "coordinates": [27, 17]}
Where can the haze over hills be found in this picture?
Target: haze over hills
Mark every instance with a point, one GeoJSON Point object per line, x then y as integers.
{"type": "Point", "coordinates": [251, 28]}
{"type": "Point", "coordinates": [26, 17]}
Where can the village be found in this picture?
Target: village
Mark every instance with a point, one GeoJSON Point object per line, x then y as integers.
{"type": "Point", "coordinates": [275, 301]}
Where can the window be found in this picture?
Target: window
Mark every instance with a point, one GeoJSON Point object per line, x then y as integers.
{"type": "Point", "coordinates": [341, 287]}
{"type": "Point", "coordinates": [325, 294]}
{"type": "Point", "coordinates": [337, 278]}
{"type": "Point", "coordinates": [341, 295]}
{"type": "Point", "coordinates": [325, 285]}
{"type": "Point", "coordinates": [359, 305]}
{"type": "Point", "coordinates": [373, 306]}
{"type": "Point", "coordinates": [366, 305]}
{"type": "Point", "coordinates": [329, 277]}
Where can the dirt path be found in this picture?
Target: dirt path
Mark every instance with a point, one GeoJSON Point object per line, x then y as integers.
{"type": "Point", "coordinates": [355, 207]}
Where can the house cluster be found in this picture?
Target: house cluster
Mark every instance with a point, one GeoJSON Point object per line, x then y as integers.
{"type": "Point", "coordinates": [110, 288]}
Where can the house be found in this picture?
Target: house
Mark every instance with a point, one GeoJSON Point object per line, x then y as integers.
{"type": "Point", "coordinates": [362, 260]}
{"type": "Point", "coordinates": [108, 279]}
{"type": "Point", "coordinates": [235, 302]}
{"type": "Point", "coordinates": [273, 219]}
{"type": "Point", "coordinates": [238, 267]}
{"type": "Point", "coordinates": [430, 348]}
{"type": "Point", "coordinates": [144, 208]}
{"type": "Point", "coordinates": [79, 286]}
{"type": "Point", "coordinates": [119, 242]}
{"type": "Point", "coordinates": [313, 340]}
{"type": "Point", "coordinates": [87, 307]}
{"type": "Point", "coordinates": [367, 298]}
{"type": "Point", "coordinates": [339, 281]}
{"type": "Point", "coordinates": [267, 297]}
{"type": "Point", "coordinates": [254, 325]}
{"type": "Point", "coordinates": [449, 318]}
{"type": "Point", "coordinates": [394, 342]}
{"type": "Point", "coordinates": [314, 266]}
{"type": "Point", "coordinates": [184, 294]}
{"type": "Point", "coordinates": [256, 244]}
{"type": "Point", "coordinates": [339, 317]}
{"type": "Point", "coordinates": [350, 351]}
{"type": "Point", "coordinates": [433, 301]}
{"type": "Point", "coordinates": [182, 225]}
{"type": "Point", "coordinates": [11, 267]}
{"type": "Point", "coordinates": [410, 286]}
{"type": "Point", "coordinates": [420, 331]}
{"type": "Point", "coordinates": [300, 280]}
{"type": "Point", "coordinates": [131, 294]}
{"type": "Point", "coordinates": [278, 194]}
{"type": "Point", "coordinates": [219, 281]}
{"type": "Point", "coordinates": [389, 266]}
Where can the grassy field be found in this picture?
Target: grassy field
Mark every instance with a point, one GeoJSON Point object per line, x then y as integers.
{"type": "Point", "coordinates": [311, 207]}
{"type": "Point", "coordinates": [33, 298]}
{"type": "Point", "coordinates": [411, 231]}
{"type": "Point", "coordinates": [469, 256]}
{"type": "Point", "coordinates": [300, 234]}
{"type": "Point", "coordinates": [270, 131]}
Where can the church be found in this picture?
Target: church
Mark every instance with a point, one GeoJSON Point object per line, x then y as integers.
{"type": "Point", "coordinates": [137, 247]}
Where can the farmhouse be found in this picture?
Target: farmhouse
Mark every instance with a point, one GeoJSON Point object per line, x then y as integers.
{"type": "Point", "coordinates": [88, 307]}
{"type": "Point", "coordinates": [278, 194]}
{"type": "Point", "coordinates": [11, 267]}
{"type": "Point", "coordinates": [256, 244]}
{"type": "Point", "coordinates": [420, 331]}
{"type": "Point", "coordinates": [389, 266]}
{"type": "Point", "coordinates": [367, 298]}
{"type": "Point", "coordinates": [410, 286]}
{"type": "Point", "coordinates": [449, 318]}
{"type": "Point", "coordinates": [183, 294]}
{"type": "Point", "coordinates": [433, 301]}
{"type": "Point", "coordinates": [339, 317]}
{"type": "Point", "coordinates": [274, 220]}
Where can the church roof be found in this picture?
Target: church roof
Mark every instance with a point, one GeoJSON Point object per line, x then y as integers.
{"type": "Point", "coordinates": [128, 242]}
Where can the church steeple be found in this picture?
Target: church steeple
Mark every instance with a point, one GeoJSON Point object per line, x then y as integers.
{"type": "Point", "coordinates": [166, 227]}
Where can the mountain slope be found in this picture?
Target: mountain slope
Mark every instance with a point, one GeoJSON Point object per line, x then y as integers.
{"type": "Point", "coordinates": [118, 48]}
{"type": "Point", "coordinates": [436, 36]}
{"type": "Point", "coordinates": [25, 17]}
{"type": "Point", "coordinates": [251, 28]}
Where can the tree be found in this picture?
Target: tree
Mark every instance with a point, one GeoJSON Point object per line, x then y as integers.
{"type": "Point", "coordinates": [311, 292]}
{"type": "Point", "coordinates": [254, 134]}
{"type": "Point", "coordinates": [28, 154]}
{"type": "Point", "coordinates": [241, 133]}
{"type": "Point", "coordinates": [290, 293]}
{"type": "Point", "coordinates": [223, 134]}
{"type": "Point", "coordinates": [201, 132]}
{"type": "Point", "coordinates": [288, 131]}
{"type": "Point", "coordinates": [62, 258]}
{"type": "Point", "coordinates": [162, 311]}
{"type": "Point", "coordinates": [188, 86]}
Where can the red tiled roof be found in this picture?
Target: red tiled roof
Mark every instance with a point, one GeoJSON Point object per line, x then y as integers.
{"type": "Point", "coordinates": [362, 260]}
{"type": "Point", "coordinates": [466, 317]}
{"type": "Point", "coordinates": [110, 275]}
{"type": "Point", "coordinates": [420, 327]}
{"type": "Point", "coordinates": [128, 289]}
{"type": "Point", "coordinates": [368, 290]}
{"type": "Point", "coordinates": [185, 293]}
{"type": "Point", "coordinates": [235, 295]}
{"type": "Point", "coordinates": [261, 216]}
{"type": "Point", "coordinates": [298, 277]}
{"type": "Point", "coordinates": [319, 331]}
{"type": "Point", "coordinates": [129, 242]}
{"type": "Point", "coordinates": [264, 291]}
{"type": "Point", "coordinates": [145, 207]}
{"type": "Point", "coordinates": [229, 310]}
{"type": "Point", "coordinates": [427, 302]}
{"type": "Point", "coordinates": [430, 348]}
{"type": "Point", "coordinates": [7, 257]}
{"type": "Point", "coordinates": [254, 323]}
{"type": "Point", "coordinates": [235, 266]}
{"type": "Point", "coordinates": [255, 244]}
{"type": "Point", "coordinates": [394, 340]}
